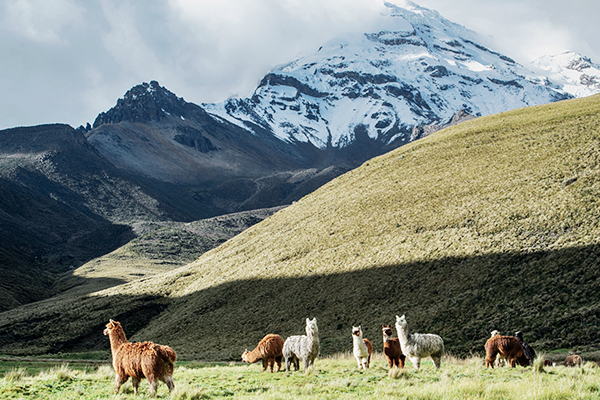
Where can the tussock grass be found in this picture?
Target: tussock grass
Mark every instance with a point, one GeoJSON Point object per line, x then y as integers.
{"type": "Point", "coordinates": [490, 224]}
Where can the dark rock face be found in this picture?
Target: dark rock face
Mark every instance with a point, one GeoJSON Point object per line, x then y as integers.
{"type": "Point", "coordinates": [146, 103]}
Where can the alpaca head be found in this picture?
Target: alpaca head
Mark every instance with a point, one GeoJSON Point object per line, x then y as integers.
{"type": "Point", "coordinates": [519, 335]}
{"type": "Point", "coordinates": [387, 332]}
{"type": "Point", "coordinates": [245, 356]}
{"type": "Point", "coordinates": [494, 333]}
{"type": "Point", "coordinates": [401, 322]}
{"type": "Point", "coordinates": [112, 325]}
{"type": "Point", "coordinates": [311, 327]}
{"type": "Point", "coordinates": [357, 331]}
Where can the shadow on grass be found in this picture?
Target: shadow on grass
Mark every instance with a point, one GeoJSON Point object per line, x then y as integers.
{"type": "Point", "coordinates": [551, 296]}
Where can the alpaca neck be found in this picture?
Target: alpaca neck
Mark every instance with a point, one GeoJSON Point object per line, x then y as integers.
{"type": "Point", "coordinates": [403, 335]}
{"type": "Point", "coordinates": [358, 342]}
{"type": "Point", "coordinates": [117, 338]}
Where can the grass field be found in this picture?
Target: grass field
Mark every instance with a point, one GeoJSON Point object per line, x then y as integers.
{"type": "Point", "coordinates": [335, 377]}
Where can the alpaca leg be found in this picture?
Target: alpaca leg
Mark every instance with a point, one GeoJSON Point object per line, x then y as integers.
{"type": "Point", "coordinates": [365, 363]}
{"type": "Point", "coordinates": [368, 361]}
{"type": "Point", "coordinates": [437, 361]}
{"type": "Point", "coordinates": [296, 363]}
{"type": "Point", "coordinates": [416, 361]}
{"type": "Point", "coordinates": [401, 361]}
{"type": "Point", "coordinates": [136, 383]}
{"type": "Point", "coordinates": [168, 380]}
{"type": "Point", "coordinates": [288, 362]}
{"type": "Point", "coordinates": [264, 364]}
{"type": "Point", "coordinates": [358, 362]}
{"type": "Point", "coordinates": [278, 362]}
{"type": "Point", "coordinates": [391, 362]}
{"type": "Point", "coordinates": [306, 363]}
{"type": "Point", "coordinates": [153, 386]}
{"type": "Point", "coordinates": [270, 362]}
{"type": "Point", "coordinates": [119, 380]}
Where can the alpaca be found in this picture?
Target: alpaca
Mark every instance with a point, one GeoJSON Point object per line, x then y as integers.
{"type": "Point", "coordinates": [419, 345]}
{"type": "Point", "coordinates": [573, 361]}
{"type": "Point", "coordinates": [269, 350]}
{"type": "Point", "coordinates": [391, 348]}
{"type": "Point", "coordinates": [508, 347]}
{"type": "Point", "coordinates": [139, 360]}
{"type": "Point", "coordinates": [305, 348]}
{"type": "Point", "coordinates": [528, 352]}
{"type": "Point", "coordinates": [500, 361]}
{"type": "Point", "coordinates": [362, 348]}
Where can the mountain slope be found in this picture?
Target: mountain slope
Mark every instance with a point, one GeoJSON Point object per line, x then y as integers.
{"type": "Point", "coordinates": [373, 88]}
{"type": "Point", "coordinates": [491, 224]}
{"type": "Point", "coordinates": [572, 72]}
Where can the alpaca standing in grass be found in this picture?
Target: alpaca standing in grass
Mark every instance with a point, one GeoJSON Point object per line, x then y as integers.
{"type": "Point", "coordinates": [391, 348]}
{"type": "Point", "coordinates": [305, 348]}
{"type": "Point", "coordinates": [508, 347]}
{"type": "Point", "coordinates": [573, 361]}
{"type": "Point", "coordinates": [139, 360]}
{"type": "Point", "coordinates": [419, 345]}
{"type": "Point", "coordinates": [269, 350]}
{"type": "Point", "coordinates": [362, 348]}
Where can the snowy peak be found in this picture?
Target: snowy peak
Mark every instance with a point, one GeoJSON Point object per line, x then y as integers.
{"type": "Point", "coordinates": [572, 72]}
{"type": "Point", "coordinates": [148, 102]}
{"type": "Point", "coordinates": [416, 69]}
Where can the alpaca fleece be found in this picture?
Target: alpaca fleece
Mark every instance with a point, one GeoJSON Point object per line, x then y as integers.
{"type": "Point", "coordinates": [419, 345]}
{"type": "Point", "coordinates": [508, 347]}
{"type": "Point", "coordinates": [139, 360]}
{"type": "Point", "coordinates": [305, 348]}
{"type": "Point", "coordinates": [361, 348]}
{"type": "Point", "coordinates": [391, 348]}
{"type": "Point", "coordinates": [528, 352]}
{"type": "Point", "coordinates": [573, 361]}
{"type": "Point", "coordinates": [269, 350]}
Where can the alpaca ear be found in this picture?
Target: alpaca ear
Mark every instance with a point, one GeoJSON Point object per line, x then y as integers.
{"type": "Point", "coordinates": [307, 320]}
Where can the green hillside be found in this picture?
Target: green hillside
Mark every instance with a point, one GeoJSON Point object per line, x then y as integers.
{"type": "Point", "coordinates": [490, 224]}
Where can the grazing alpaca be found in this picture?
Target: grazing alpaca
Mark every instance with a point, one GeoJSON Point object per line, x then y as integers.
{"type": "Point", "coordinates": [500, 361]}
{"type": "Point", "coordinates": [139, 360]}
{"type": "Point", "coordinates": [391, 348]}
{"type": "Point", "coordinates": [305, 348]}
{"type": "Point", "coordinates": [508, 347]}
{"type": "Point", "coordinates": [528, 352]}
{"type": "Point", "coordinates": [362, 348]}
{"type": "Point", "coordinates": [269, 350]}
{"type": "Point", "coordinates": [419, 345]}
{"type": "Point", "coordinates": [573, 361]}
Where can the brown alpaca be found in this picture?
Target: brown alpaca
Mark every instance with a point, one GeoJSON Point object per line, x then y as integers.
{"type": "Point", "coordinates": [139, 360]}
{"type": "Point", "coordinates": [508, 347]}
{"type": "Point", "coordinates": [573, 361]}
{"type": "Point", "coordinates": [391, 348]}
{"type": "Point", "coordinates": [269, 350]}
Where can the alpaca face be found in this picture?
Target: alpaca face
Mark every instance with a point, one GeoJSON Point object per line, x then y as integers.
{"type": "Point", "coordinates": [311, 326]}
{"type": "Point", "coordinates": [110, 326]}
{"type": "Point", "coordinates": [494, 333]}
{"type": "Point", "coordinates": [387, 331]}
{"type": "Point", "coordinates": [245, 356]}
{"type": "Point", "coordinates": [401, 321]}
{"type": "Point", "coordinates": [356, 331]}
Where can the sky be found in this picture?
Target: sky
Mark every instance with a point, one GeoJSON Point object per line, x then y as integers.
{"type": "Point", "coordinates": [65, 61]}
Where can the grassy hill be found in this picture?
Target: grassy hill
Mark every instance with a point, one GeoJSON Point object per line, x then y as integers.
{"type": "Point", "coordinates": [490, 224]}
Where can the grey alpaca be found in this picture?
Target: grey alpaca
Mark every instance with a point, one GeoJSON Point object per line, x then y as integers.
{"type": "Point", "coordinates": [419, 345]}
{"type": "Point", "coordinates": [305, 347]}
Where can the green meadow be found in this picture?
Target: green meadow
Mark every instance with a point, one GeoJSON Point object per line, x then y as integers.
{"type": "Point", "coordinates": [334, 377]}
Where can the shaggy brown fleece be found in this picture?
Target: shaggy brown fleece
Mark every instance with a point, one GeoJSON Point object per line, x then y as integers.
{"type": "Point", "coordinates": [573, 361]}
{"type": "Point", "coordinates": [269, 350]}
{"type": "Point", "coordinates": [139, 360]}
{"type": "Point", "coordinates": [508, 347]}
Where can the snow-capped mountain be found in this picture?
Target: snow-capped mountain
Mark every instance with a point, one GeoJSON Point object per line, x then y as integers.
{"type": "Point", "coordinates": [418, 69]}
{"type": "Point", "coordinates": [572, 72]}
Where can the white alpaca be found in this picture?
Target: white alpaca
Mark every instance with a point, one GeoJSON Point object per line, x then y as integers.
{"type": "Point", "coordinates": [419, 345]}
{"type": "Point", "coordinates": [305, 348]}
{"type": "Point", "coordinates": [362, 348]}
